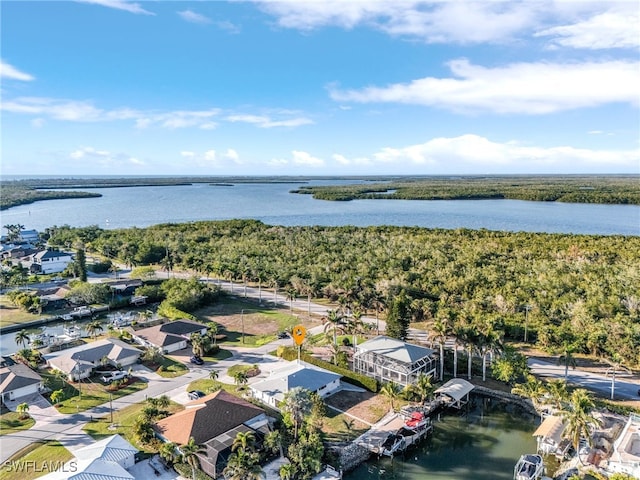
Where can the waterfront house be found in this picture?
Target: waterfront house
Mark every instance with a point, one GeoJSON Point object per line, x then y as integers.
{"type": "Point", "coordinates": [389, 360]}
{"type": "Point", "coordinates": [50, 261]}
{"type": "Point", "coordinates": [17, 380]}
{"type": "Point", "coordinates": [271, 390]}
{"type": "Point", "coordinates": [106, 459]}
{"type": "Point", "coordinates": [124, 288]}
{"type": "Point", "coordinates": [168, 337]}
{"type": "Point", "coordinates": [213, 422]}
{"type": "Point", "coordinates": [79, 362]}
{"type": "Point", "coordinates": [626, 449]}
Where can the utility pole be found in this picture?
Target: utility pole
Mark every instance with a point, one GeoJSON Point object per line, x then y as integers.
{"type": "Point", "coordinates": [242, 320]}
{"type": "Point", "coordinates": [111, 406]}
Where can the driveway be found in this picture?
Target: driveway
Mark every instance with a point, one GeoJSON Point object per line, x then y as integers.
{"type": "Point", "coordinates": [39, 408]}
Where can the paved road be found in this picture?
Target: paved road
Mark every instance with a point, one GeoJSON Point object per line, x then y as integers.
{"type": "Point", "coordinates": [626, 385]}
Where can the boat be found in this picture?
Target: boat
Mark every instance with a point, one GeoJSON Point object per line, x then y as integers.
{"type": "Point", "coordinates": [417, 421]}
{"type": "Point", "coordinates": [529, 467]}
{"type": "Point", "coordinates": [393, 444]}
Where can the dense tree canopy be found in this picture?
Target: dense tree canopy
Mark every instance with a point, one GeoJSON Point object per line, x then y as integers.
{"type": "Point", "coordinates": [577, 289]}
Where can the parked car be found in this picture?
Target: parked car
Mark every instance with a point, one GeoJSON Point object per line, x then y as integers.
{"type": "Point", "coordinates": [196, 360]}
{"type": "Point", "coordinates": [283, 335]}
{"type": "Point", "coordinates": [196, 394]}
{"type": "Point", "coordinates": [112, 376]}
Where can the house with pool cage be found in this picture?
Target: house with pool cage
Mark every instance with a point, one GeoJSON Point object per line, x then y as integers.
{"type": "Point", "coordinates": [389, 360]}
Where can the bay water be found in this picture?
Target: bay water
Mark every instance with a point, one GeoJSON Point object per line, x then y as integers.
{"type": "Point", "coordinates": [272, 203]}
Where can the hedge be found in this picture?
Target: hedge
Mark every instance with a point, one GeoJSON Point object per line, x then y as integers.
{"type": "Point", "coordinates": [172, 313]}
{"type": "Point", "coordinates": [290, 353]}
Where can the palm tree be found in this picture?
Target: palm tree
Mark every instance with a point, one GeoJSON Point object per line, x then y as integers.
{"type": "Point", "coordinates": [168, 452]}
{"type": "Point", "coordinates": [196, 344]}
{"type": "Point", "coordinates": [244, 441]}
{"type": "Point", "coordinates": [212, 332]}
{"type": "Point", "coordinates": [391, 390]}
{"type": "Point", "coordinates": [532, 388]}
{"type": "Point", "coordinates": [567, 359]}
{"type": "Point", "coordinates": [56, 396]}
{"type": "Point", "coordinates": [440, 329]}
{"type": "Point", "coordinates": [291, 296]}
{"type": "Point", "coordinates": [615, 366]}
{"type": "Point", "coordinates": [579, 418]}
{"type": "Point", "coordinates": [335, 323]}
{"type": "Point", "coordinates": [243, 465]}
{"type": "Point", "coordinates": [94, 327]}
{"type": "Point", "coordinates": [286, 471]}
{"type": "Point", "coordinates": [23, 410]}
{"type": "Point", "coordinates": [213, 375]}
{"type": "Point", "coordinates": [273, 442]}
{"type": "Point", "coordinates": [423, 387]}
{"type": "Point", "coordinates": [557, 390]}
{"type": "Point", "coordinates": [22, 338]}
{"type": "Point", "coordinates": [190, 455]}
{"type": "Point", "coordinates": [297, 404]}
{"type": "Point", "coordinates": [241, 378]}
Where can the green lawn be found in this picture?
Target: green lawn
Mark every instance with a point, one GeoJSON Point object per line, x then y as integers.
{"type": "Point", "coordinates": [124, 420]}
{"type": "Point", "coordinates": [37, 456]}
{"type": "Point", "coordinates": [10, 314]}
{"type": "Point", "coordinates": [339, 427]}
{"type": "Point", "coordinates": [170, 368]}
{"type": "Point", "coordinates": [221, 355]}
{"type": "Point", "coordinates": [10, 422]}
{"type": "Point", "coordinates": [94, 392]}
{"type": "Point", "coordinates": [209, 386]}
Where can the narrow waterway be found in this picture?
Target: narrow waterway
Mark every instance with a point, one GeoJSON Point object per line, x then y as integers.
{"type": "Point", "coordinates": [483, 443]}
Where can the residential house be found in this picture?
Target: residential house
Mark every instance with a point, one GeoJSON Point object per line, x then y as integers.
{"type": "Point", "coordinates": [169, 337]}
{"type": "Point", "coordinates": [17, 380]}
{"type": "Point", "coordinates": [271, 391]}
{"type": "Point", "coordinates": [79, 362]}
{"type": "Point", "coordinates": [106, 459]}
{"type": "Point", "coordinates": [389, 360]}
{"type": "Point", "coordinates": [126, 287]}
{"type": "Point", "coordinates": [626, 449]}
{"type": "Point", "coordinates": [213, 422]}
{"type": "Point", "coordinates": [50, 261]}
{"type": "Point", "coordinates": [53, 298]}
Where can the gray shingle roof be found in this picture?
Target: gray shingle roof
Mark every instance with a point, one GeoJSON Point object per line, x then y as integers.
{"type": "Point", "coordinates": [17, 376]}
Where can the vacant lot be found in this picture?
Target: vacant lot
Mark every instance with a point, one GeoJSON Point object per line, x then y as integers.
{"type": "Point", "coordinates": [260, 324]}
{"type": "Point", "coordinates": [10, 314]}
{"type": "Point", "coordinates": [366, 406]}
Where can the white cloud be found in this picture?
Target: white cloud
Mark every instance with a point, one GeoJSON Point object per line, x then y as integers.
{"type": "Point", "coordinates": [193, 17]}
{"type": "Point", "coordinates": [210, 155]}
{"type": "Point", "coordinates": [264, 121]}
{"type": "Point", "coordinates": [103, 159]}
{"type": "Point", "coordinates": [612, 29]}
{"type": "Point", "coordinates": [187, 154]}
{"type": "Point", "coordinates": [342, 160]}
{"type": "Point", "coordinates": [232, 155]}
{"type": "Point", "coordinates": [528, 88]}
{"type": "Point", "coordinates": [434, 21]}
{"type": "Point", "coordinates": [11, 72]}
{"type": "Point", "coordinates": [38, 122]}
{"type": "Point", "coordinates": [304, 158]}
{"type": "Point", "coordinates": [228, 26]}
{"type": "Point", "coordinates": [469, 152]}
{"type": "Point", "coordinates": [131, 7]}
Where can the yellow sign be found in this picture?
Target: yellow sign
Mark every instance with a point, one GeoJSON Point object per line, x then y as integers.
{"type": "Point", "coordinates": [298, 333]}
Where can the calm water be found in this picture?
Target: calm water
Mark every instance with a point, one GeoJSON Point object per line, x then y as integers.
{"type": "Point", "coordinates": [273, 204]}
{"type": "Point", "coordinates": [485, 444]}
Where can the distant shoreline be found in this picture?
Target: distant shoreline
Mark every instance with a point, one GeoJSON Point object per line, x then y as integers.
{"type": "Point", "coordinates": [603, 189]}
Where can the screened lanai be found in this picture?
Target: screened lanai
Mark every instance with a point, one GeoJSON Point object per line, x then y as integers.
{"type": "Point", "coordinates": [389, 360]}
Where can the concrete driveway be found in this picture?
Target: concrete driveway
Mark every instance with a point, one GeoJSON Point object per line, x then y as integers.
{"type": "Point", "coordinates": [39, 408]}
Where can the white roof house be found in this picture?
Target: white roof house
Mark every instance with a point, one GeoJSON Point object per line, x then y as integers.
{"type": "Point", "coordinates": [626, 449]}
{"type": "Point", "coordinates": [389, 360]}
{"type": "Point", "coordinates": [107, 459]}
{"type": "Point", "coordinates": [271, 391]}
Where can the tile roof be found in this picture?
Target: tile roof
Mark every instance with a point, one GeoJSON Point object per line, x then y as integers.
{"type": "Point", "coordinates": [155, 336]}
{"type": "Point", "coordinates": [206, 418]}
{"type": "Point", "coordinates": [17, 376]}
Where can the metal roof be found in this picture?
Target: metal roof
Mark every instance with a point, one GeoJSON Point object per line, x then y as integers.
{"type": "Point", "coordinates": [456, 388]}
{"type": "Point", "coordinates": [396, 349]}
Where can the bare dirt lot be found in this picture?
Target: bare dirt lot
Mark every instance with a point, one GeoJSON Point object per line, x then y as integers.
{"type": "Point", "coordinates": [364, 405]}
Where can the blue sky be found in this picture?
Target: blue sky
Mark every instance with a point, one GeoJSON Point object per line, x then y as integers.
{"type": "Point", "coordinates": [319, 88]}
